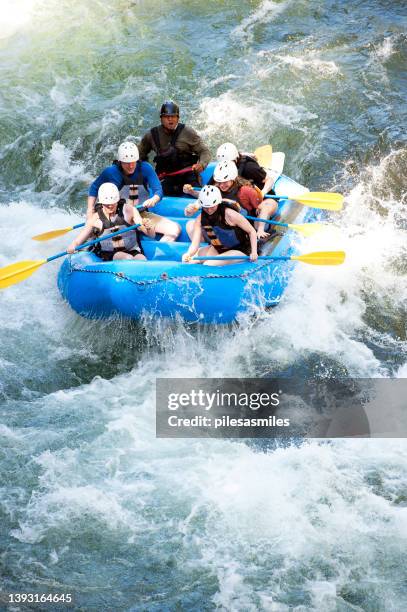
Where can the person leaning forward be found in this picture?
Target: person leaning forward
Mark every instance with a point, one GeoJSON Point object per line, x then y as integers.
{"type": "Point", "coordinates": [177, 147]}
{"type": "Point", "coordinates": [113, 214]}
{"type": "Point", "coordinates": [225, 229]}
{"type": "Point", "coordinates": [142, 180]}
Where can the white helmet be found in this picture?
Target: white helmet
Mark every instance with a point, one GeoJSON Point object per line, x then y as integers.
{"type": "Point", "coordinates": [108, 194]}
{"type": "Point", "coordinates": [225, 171]}
{"type": "Point", "coordinates": [128, 152]}
{"type": "Point", "coordinates": [227, 152]}
{"type": "Point", "coordinates": [209, 196]}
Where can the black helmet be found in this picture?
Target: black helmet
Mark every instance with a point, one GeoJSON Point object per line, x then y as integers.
{"type": "Point", "coordinates": [169, 108]}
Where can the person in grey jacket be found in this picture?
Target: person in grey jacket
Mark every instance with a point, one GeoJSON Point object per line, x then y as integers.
{"type": "Point", "coordinates": [180, 153]}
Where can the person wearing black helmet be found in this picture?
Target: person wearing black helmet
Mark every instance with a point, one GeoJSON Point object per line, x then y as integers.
{"type": "Point", "coordinates": [180, 154]}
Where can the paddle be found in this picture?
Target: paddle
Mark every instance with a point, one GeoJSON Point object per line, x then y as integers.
{"type": "Point", "coordinates": [277, 163]}
{"type": "Point", "coordinates": [325, 200]}
{"type": "Point", "coordinates": [182, 171]}
{"type": "Point", "coordinates": [264, 155]}
{"type": "Point", "coordinates": [17, 272]}
{"type": "Point", "coordinates": [315, 199]}
{"type": "Point", "coordinates": [55, 233]}
{"type": "Point", "coordinates": [306, 229]}
{"type": "Point", "coordinates": [320, 258]}
{"type": "Point", "coordinates": [270, 160]}
{"type": "Point", "coordinates": [60, 232]}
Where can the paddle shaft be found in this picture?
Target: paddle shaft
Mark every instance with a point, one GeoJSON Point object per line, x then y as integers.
{"type": "Point", "coordinates": [182, 171]}
{"type": "Point", "coordinates": [92, 242]}
{"type": "Point", "coordinates": [267, 221]}
{"type": "Point", "coordinates": [139, 207]}
{"type": "Point", "coordinates": [275, 197]}
{"type": "Point", "coordinates": [320, 258]}
{"type": "Point", "coordinates": [279, 197]}
{"type": "Point", "coordinates": [225, 257]}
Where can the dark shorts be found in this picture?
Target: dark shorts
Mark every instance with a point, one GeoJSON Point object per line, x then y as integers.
{"type": "Point", "coordinates": [244, 248]}
{"type": "Point", "coordinates": [108, 256]}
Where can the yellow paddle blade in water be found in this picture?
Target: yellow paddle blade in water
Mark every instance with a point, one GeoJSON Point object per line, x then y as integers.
{"type": "Point", "coordinates": [322, 258]}
{"type": "Point", "coordinates": [307, 229]}
{"type": "Point", "coordinates": [52, 234]}
{"type": "Point", "coordinates": [321, 199]}
{"type": "Point", "coordinates": [17, 272]}
{"type": "Point", "coordinates": [264, 155]}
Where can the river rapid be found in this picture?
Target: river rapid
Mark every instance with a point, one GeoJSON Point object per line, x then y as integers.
{"type": "Point", "coordinates": [91, 503]}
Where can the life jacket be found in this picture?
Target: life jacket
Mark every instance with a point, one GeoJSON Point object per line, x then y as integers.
{"type": "Point", "coordinates": [127, 242]}
{"type": "Point", "coordinates": [241, 169]}
{"type": "Point", "coordinates": [140, 192]}
{"type": "Point", "coordinates": [222, 236]}
{"type": "Point", "coordinates": [171, 158]}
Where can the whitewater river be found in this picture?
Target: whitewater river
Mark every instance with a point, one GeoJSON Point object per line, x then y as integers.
{"type": "Point", "coordinates": [91, 503]}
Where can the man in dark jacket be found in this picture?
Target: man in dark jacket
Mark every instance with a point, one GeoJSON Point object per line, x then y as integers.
{"type": "Point", "coordinates": [178, 148]}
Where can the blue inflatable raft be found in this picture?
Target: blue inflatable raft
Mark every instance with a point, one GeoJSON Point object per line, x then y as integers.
{"type": "Point", "coordinates": [165, 287]}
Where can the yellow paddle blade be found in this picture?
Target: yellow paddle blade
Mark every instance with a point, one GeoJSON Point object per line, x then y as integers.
{"type": "Point", "coordinates": [307, 229]}
{"type": "Point", "coordinates": [320, 199]}
{"type": "Point", "coordinates": [17, 272]}
{"type": "Point", "coordinates": [52, 234]}
{"type": "Point", "coordinates": [264, 155]}
{"type": "Point", "coordinates": [322, 258]}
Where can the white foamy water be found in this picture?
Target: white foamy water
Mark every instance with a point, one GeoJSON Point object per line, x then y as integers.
{"type": "Point", "coordinates": [292, 520]}
{"type": "Point", "coordinates": [63, 170]}
{"type": "Point", "coordinates": [266, 12]}
{"type": "Point", "coordinates": [230, 115]}
{"type": "Point", "coordinates": [16, 14]}
{"type": "Point", "coordinates": [308, 62]}
{"type": "Point", "coordinates": [386, 49]}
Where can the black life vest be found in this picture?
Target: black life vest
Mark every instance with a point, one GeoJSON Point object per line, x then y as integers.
{"type": "Point", "coordinates": [241, 169]}
{"type": "Point", "coordinates": [220, 235]}
{"type": "Point", "coordinates": [127, 242]}
{"type": "Point", "coordinates": [233, 194]}
{"type": "Point", "coordinates": [171, 159]}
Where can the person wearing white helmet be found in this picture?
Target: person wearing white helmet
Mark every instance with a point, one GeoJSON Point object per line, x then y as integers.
{"type": "Point", "coordinates": [111, 216]}
{"type": "Point", "coordinates": [143, 185]}
{"type": "Point", "coordinates": [233, 189]}
{"type": "Point", "coordinates": [227, 152]}
{"type": "Point", "coordinates": [223, 227]}
{"type": "Point", "coordinates": [180, 153]}
{"type": "Point", "coordinates": [247, 167]}
{"type": "Point", "coordinates": [248, 196]}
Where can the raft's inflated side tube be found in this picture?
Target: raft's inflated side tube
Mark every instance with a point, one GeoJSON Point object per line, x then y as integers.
{"type": "Point", "coordinates": [164, 286]}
